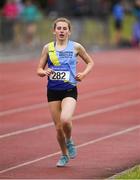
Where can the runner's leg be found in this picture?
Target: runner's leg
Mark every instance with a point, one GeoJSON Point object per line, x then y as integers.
{"type": "Point", "coordinates": [68, 106]}
{"type": "Point", "coordinates": [55, 108]}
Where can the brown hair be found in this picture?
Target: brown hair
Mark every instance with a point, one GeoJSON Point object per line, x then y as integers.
{"type": "Point", "coordinates": [62, 19]}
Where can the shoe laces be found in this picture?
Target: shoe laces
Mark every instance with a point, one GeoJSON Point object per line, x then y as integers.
{"type": "Point", "coordinates": [70, 144]}
{"type": "Point", "coordinates": [63, 158]}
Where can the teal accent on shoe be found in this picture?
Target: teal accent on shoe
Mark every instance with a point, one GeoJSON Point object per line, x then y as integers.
{"type": "Point", "coordinates": [71, 148]}
{"type": "Point", "coordinates": [64, 159]}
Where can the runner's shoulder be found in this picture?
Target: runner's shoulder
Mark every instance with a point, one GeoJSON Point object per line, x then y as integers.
{"type": "Point", "coordinates": [78, 47]}
{"type": "Point", "coordinates": [46, 48]}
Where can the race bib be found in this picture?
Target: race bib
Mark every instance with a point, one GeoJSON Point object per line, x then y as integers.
{"type": "Point", "coordinates": [60, 75]}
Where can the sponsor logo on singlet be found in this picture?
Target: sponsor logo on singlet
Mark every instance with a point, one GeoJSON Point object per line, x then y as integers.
{"type": "Point", "coordinates": [66, 54]}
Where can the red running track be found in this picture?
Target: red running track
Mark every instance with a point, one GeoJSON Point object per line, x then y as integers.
{"type": "Point", "coordinates": [106, 124]}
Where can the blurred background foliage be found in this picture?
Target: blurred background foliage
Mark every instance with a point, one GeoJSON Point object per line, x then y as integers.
{"type": "Point", "coordinates": [92, 30]}
{"type": "Point", "coordinates": [27, 24]}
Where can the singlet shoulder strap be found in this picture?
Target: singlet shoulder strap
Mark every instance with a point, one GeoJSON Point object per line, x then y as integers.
{"type": "Point", "coordinates": [52, 54]}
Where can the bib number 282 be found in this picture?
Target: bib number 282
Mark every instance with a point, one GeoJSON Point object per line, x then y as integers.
{"type": "Point", "coordinates": [60, 75]}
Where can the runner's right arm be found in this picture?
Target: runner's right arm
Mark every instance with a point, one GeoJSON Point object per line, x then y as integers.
{"type": "Point", "coordinates": [42, 64]}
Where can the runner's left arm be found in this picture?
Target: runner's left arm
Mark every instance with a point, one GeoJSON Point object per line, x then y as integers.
{"type": "Point", "coordinates": [80, 50]}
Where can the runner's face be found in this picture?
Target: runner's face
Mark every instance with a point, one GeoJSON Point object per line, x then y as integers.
{"type": "Point", "coordinates": [62, 31]}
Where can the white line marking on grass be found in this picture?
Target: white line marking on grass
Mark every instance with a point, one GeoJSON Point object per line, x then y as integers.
{"type": "Point", "coordinates": [78, 146]}
{"type": "Point", "coordinates": [87, 114]}
{"type": "Point", "coordinates": [82, 96]}
{"type": "Point", "coordinates": [123, 172]}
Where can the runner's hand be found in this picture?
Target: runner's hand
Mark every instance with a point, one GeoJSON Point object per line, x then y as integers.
{"type": "Point", "coordinates": [80, 76]}
{"type": "Point", "coordinates": [49, 72]}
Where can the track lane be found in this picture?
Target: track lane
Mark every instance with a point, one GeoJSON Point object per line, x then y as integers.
{"type": "Point", "coordinates": [27, 83]}
{"type": "Point", "coordinates": [42, 116]}
{"type": "Point", "coordinates": [94, 126]}
{"type": "Point", "coordinates": [126, 72]}
{"type": "Point", "coordinates": [32, 167]}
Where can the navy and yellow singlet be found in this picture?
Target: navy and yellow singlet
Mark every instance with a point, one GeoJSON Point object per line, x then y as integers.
{"type": "Point", "coordinates": [63, 64]}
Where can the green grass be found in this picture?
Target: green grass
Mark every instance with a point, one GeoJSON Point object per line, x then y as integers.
{"type": "Point", "coordinates": [133, 173]}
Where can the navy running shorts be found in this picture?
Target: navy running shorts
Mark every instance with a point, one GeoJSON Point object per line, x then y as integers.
{"type": "Point", "coordinates": [59, 95]}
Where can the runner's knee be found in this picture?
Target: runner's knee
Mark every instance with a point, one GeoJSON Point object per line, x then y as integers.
{"type": "Point", "coordinates": [58, 127]}
{"type": "Point", "coordinates": [60, 132]}
{"type": "Point", "coordinates": [66, 123]}
{"type": "Point", "coordinates": [65, 119]}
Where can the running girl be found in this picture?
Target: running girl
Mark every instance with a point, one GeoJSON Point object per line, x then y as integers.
{"type": "Point", "coordinates": [60, 57]}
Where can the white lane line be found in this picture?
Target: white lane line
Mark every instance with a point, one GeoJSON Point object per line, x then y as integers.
{"type": "Point", "coordinates": [108, 109]}
{"type": "Point", "coordinates": [81, 97]}
{"type": "Point", "coordinates": [110, 90]}
{"type": "Point", "coordinates": [23, 109]}
{"type": "Point", "coordinates": [22, 131]}
{"type": "Point", "coordinates": [118, 133]}
{"type": "Point", "coordinates": [110, 136]}
{"type": "Point", "coordinates": [87, 114]}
